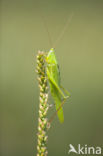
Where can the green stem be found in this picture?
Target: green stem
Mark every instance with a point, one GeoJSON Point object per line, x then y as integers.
{"type": "Point", "coordinates": [43, 106]}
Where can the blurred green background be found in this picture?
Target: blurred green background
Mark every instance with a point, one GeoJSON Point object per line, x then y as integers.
{"type": "Point", "coordinates": [80, 55]}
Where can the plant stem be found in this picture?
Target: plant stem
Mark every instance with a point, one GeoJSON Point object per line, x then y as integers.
{"type": "Point", "coordinates": [43, 106]}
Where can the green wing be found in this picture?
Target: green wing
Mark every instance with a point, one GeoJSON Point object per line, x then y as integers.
{"type": "Point", "coordinates": [53, 74]}
{"type": "Point", "coordinates": [56, 94]}
{"type": "Point", "coordinates": [57, 98]}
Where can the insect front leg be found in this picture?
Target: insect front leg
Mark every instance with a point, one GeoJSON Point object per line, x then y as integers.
{"type": "Point", "coordinates": [48, 62]}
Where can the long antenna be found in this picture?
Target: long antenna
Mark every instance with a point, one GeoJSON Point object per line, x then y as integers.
{"type": "Point", "coordinates": [45, 24]}
{"type": "Point", "coordinates": [46, 27]}
{"type": "Point", "coordinates": [63, 31]}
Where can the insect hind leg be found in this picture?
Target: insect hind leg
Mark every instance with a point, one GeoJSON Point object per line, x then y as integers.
{"type": "Point", "coordinates": [66, 92]}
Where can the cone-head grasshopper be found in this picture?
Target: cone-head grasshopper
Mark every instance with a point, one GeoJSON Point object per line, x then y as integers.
{"type": "Point", "coordinates": [53, 74]}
